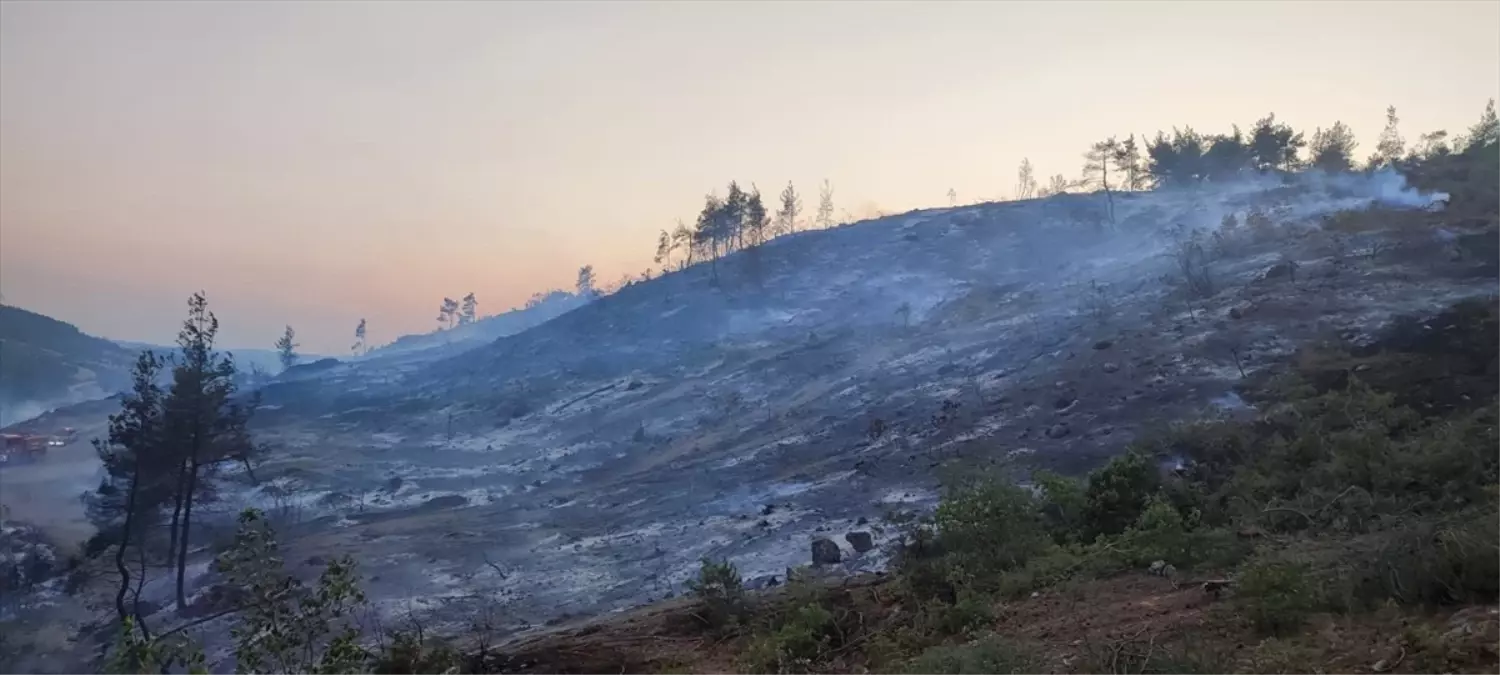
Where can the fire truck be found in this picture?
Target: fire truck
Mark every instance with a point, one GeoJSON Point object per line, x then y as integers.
{"type": "Point", "coordinates": [27, 448]}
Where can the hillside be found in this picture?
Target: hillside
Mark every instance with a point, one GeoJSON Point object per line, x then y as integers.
{"type": "Point", "coordinates": [46, 363]}
{"type": "Point", "coordinates": [816, 388]}
{"type": "Point", "coordinates": [485, 330]}
{"type": "Point", "coordinates": [681, 418]}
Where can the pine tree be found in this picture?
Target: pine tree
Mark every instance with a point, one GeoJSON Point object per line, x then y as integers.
{"type": "Point", "coordinates": [447, 313]}
{"type": "Point", "coordinates": [756, 224]}
{"type": "Point", "coordinates": [1274, 146]}
{"type": "Point", "coordinates": [731, 218]}
{"type": "Point", "coordinates": [1227, 155]}
{"type": "Point", "coordinates": [585, 283]}
{"type": "Point", "coordinates": [286, 348]}
{"type": "Point", "coordinates": [682, 238]}
{"type": "Point", "coordinates": [1097, 162]}
{"type": "Point", "coordinates": [1333, 149]}
{"type": "Point", "coordinates": [791, 207]}
{"type": "Point", "coordinates": [203, 424]}
{"type": "Point", "coordinates": [1127, 159]}
{"type": "Point", "coordinates": [663, 250]}
{"type": "Point", "coordinates": [470, 312]}
{"type": "Point", "coordinates": [1391, 146]}
{"type": "Point", "coordinates": [824, 219]}
{"type": "Point", "coordinates": [359, 338]}
{"type": "Point", "coordinates": [137, 472]}
{"type": "Point", "coordinates": [1486, 132]}
{"type": "Point", "coordinates": [1025, 180]}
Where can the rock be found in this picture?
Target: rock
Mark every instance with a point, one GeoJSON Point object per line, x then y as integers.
{"type": "Point", "coordinates": [1103, 344]}
{"type": "Point", "coordinates": [862, 520]}
{"type": "Point", "coordinates": [1111, 367]}
{"type": "Point", "coordinates": [768, 509]}
{"type": "Point", "coordinates": [1285, 268]}
{"type": "Point", "coordinates": [1064, 401]}
{"type": "Point", "coordinates": [1058, 431]}
{"type": "Point", "coordinates": [1235, 313]}
{"type": "Point", "coordinates": [315, 560]}
{"type": "Point", "coordinates": [393, 484]}
{"type": "Point", "coordinates": [763, 581]}
{"type": "Point", "coordinates": [634, 385]}
{"type": "Point", "coordinates": [860, 540]}
{"type": "Point", "coordinates": [825, 552]}
{"type": "Point", "coordinates": [763, 523]}
{"type": "Point", "coordinates": [446, 502]}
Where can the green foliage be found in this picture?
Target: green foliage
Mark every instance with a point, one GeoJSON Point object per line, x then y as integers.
{"type": "Point", "coordinates": [283, 626]}
{"type": "Point", "coordinates": [1277, 597]}
{"type": "Point", "coordinates": [1424, 563]}
{"type": "Point", "coordinates": [414, 653]}
{"type": "Point", "coordinates": [1062, 505]}
{"type": "Point", "coordinates": [721, 592]}
{"type": "Point", "coordinates": [989, 654]}
{"type": "Point", "coordinates": [797, 645]}
{"type": "Point", "coordinates": [1118, 493]}
{"type": "Point", "coordinates": [972, 611]}
{"type": "Point", "coordinates": [984, 527]}
{"type": "Point", "coordinates": [135, 652]}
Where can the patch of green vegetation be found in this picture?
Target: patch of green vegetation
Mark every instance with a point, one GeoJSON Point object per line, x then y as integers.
{"type": "Point", "coordinates": [1369, 500]}
{"type": "Point", "coordinates": [721, 591]}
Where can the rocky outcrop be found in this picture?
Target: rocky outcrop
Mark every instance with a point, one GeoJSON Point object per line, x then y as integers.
{"type": "Point", "coordinates": [825, 552]}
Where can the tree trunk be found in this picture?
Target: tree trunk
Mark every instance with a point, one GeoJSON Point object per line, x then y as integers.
{"type": "Point", "coordinates": [176, 511]}
{"type": "Point", "coordinates": [1108, 195]}
{"type": "Point", "coordinates": [135, 481]}
{"type": "Point", "coordinates": [182, 539]}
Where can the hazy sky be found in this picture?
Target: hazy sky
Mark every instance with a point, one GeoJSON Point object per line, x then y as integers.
{"type": "Point", "coordinates": [315, 162]}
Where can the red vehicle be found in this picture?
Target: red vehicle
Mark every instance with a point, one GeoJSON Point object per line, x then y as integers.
{"type": "Point", "coordinates": [24, 448]}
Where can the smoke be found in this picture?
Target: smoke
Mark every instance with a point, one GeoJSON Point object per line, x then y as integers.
{"type": "Point", "coordinates": [1385, 187]}
{"type": "Point", "coordinates": [18, 412]}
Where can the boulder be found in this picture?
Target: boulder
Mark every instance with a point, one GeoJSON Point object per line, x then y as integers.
{"type": "Point", "coordinates": [861, 541]}
{"type": "Point", "coordinates": [825, 552]}
{"type": "Point", "coordinates": [1058, 431]}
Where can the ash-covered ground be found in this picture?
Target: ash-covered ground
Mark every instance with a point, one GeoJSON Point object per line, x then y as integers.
{"type": "Point", "coordinates": [812, 386]}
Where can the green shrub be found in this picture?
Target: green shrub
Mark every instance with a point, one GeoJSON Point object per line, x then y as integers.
{"type": "Point", "coordinates": [990, 654]}
{"type": "Point", "coordinates": [798, 645]}
{"type": "Point", "coordinates": [1454, 561]}
{"type": "Point", "coordinates": [1061, 502]}
{"type": "Point", "coordinates": [721, 592]}
{"type": "Point", "coordinates": [1118, 492]}
{"type": "Point", "coordinates": [989, 526]}
{"type": "Point", "coordinates": [414, 653]}
{"type": "Point", "coordinates": [972, 611]}
{"type": "Point", "coordinates": [1276, 596]}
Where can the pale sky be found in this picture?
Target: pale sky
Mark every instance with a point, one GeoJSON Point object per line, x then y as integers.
{"type": "Point", "coordinates": [313, 163]}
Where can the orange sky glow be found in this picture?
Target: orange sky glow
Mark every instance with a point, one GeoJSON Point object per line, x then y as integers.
{"type": "Point", "coordinates": [312, 163]}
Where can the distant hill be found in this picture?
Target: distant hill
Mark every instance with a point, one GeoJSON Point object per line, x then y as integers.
{"type": "Point", "coordinates": [46, 363]}
{"type": "Point", "coordinates": [542, 308]}
{"type": "Point", "coordinates": [267, 360]}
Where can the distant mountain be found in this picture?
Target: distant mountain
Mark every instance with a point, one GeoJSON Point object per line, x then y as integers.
{"type": "Point", "coordinates": [266, 360]}
{"type": "Point", "coordinates": [542, 308]}
{"type": "Point", "coordinates": [46, 363]}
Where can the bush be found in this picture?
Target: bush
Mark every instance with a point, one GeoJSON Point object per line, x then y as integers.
{"type": "Point", "coordinates": [721, 591]}
{"type": "Point", "coordinates": [1454, 561]}
{"type": "Point", "coordinates": [972, 611]}
{"type": "Point", "coordinates": [1277, 597]}
{"type": "Point", "coordinates": [413, 653]}
{"type": "Point", "coordinates": [990, 654]}
{"type": "Point", "coordinates": [1062, 505]}
{"type": "Point", "coordinates": [797, 645]}
{"type": "Point", "coordinates": [984, 528]}
{"type": "Point", "coordinates": [1118, 493]}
